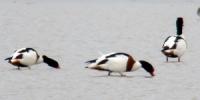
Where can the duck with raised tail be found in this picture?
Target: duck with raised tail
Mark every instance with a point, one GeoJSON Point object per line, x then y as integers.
{"type": "Point", "coordinates": [119, 62]}
{"type": "Point", "coordinates": [26, 57]}
{"type": "Point", "coordinates": [175, 46]}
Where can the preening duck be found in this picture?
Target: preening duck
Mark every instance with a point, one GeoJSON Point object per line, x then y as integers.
{"type": "Point", "coordinates": [119, 62]}
{"type": "Point", "coordinates": [175, 46]}
{"type": "Point", "coordinates": [25, 57]}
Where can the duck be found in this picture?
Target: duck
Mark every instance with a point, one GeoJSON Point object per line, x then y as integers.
{"type": "Point", "coordinates": [175, 46]}
{"type": "Point", "coordinates": [119, 62]}
{"type": "Point", "coordinates": [26, 57]}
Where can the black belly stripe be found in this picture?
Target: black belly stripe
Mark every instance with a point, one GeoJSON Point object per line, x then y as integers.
{"type": "Point", "coordinates": [130, 63]}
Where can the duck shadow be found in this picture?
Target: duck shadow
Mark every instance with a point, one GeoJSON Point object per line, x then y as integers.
{"type": "Point", "coordinates": [173, 62]}
{"type": "Point", "coordinates": [118, 76]}
{"type": "Point", "coordinates": [21, 69]}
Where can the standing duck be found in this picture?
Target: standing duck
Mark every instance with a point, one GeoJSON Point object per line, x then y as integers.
{"type": "Point", "coordinates": [175, 46]}
{"type": "Point", "coordinates": [25, 57]}
{"type": "Point", "coordinates": [119, 62]}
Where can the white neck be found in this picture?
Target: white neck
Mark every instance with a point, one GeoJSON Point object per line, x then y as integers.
{"type": "Point", "coordinates": [40, 60]}
{"type": "Point", "coordinates": [181, 36]}
{"type": "Point", "coordinates": [136, 66]}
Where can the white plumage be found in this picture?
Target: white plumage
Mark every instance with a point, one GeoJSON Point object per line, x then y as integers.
{"type": "Point", "coordinates": [180, 43]}
{"type": "Point", "coordinates": [29, 58]}
{"type": "Point", "coordinates": [118, 62]}
{"type": "Point", "coordinates": [25, 57]}
{"type": "Point", "coordinates": [170, 41]}
{"type": "Point", "coordinates": [175, 46]}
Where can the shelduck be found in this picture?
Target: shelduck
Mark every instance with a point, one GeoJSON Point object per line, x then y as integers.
{"type": "Point", "coordinates": [119, 62]}
{"type": "Point", "coordinates": [175, 46]}
{"type": "Point", "coordinates": [25, 57]}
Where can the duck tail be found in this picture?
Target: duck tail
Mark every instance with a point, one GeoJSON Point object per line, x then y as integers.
{"type": "Point", "coordinates": [9, 58]}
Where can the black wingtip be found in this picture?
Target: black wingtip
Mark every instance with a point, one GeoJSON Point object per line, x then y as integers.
{"type": "Point", "coordinates": [91, 61]}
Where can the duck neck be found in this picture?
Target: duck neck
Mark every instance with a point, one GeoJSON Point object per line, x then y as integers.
{"type": "Point", "coordinates": [136, 66]}
{"type": "Point", "coordinates": [40, 60]}
{"type": "Point", "coordinates": [182, 36]}
{"type": "Point", "coordinates": [147, 66]}
{"type": "Point", "coordinates": [179, 25]}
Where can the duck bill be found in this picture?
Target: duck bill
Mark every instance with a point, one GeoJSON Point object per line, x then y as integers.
{"type": "Point", "coordinates": [152, 74]}
{"type": "Point", "coordinates": [58, 67]}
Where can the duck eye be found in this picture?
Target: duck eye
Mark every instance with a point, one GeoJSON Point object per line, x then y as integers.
{"type": "Point", "coordinates": [19, 56]}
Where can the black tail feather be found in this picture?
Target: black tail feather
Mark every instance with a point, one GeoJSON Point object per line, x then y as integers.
{"type": "Point", "coordinates": [91, 61]}
{"type": "Point", "coordinates": [9, 58]}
